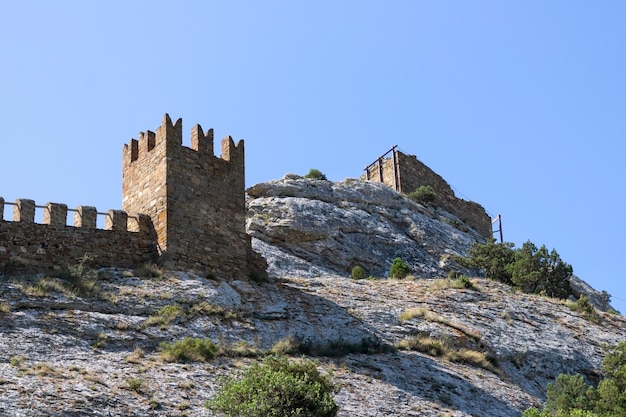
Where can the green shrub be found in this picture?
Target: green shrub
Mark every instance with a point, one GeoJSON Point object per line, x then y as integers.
{"type": "Point", "coordinates": [164, 316]}
{"type": "Point", "coordinates": [277, 387]}
{"type": "Point", "coordinates": [537, 271]}
{"type": "Point", "coordinates": [446, 348]}
{"type": "Point", "coordinates": [583, 306]}
{"type": "Point", "coordinates": [358, 272]}
{"type": "Point", "coordinates": [286, 346]}
{"type": "Point", "coordinates": [79, 279]}
{"type": "Point", "coordinates": [424, 195]}
{"type": "Point", "coordinates": [134, 384]}
{"type": "Point", "coordinates": [315, 174]}
{"type": "Point", "coordinates": [149, 270]}
{"type": "Point", "coordinates": [570, 396]}
{"type": "Point", "coordinates": [530, 269]}
{"type": "Point", "coordinates": [492, 258]}
{"type": "Point", "coordinates": [188, 350]}
{"type": "Point", "coordinates": [399, 269]}
{"type": "Point", "coordinates": [5, 308]}
{"type": "Point", "coordinates": [465, 281]}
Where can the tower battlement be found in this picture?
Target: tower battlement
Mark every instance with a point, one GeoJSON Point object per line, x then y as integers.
{"type": "Point", "coordinates": [169, 135]}
{"type": "Point", "coordinates": [196, 200]}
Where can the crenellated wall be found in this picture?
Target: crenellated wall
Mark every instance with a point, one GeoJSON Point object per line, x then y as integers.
{"type": "Point", "coordinates": [182, 206]}
{"type": "Point", "coordinates": [195, 199]}
{"type": "Point", "coordinates": [26, 246]}
{"type": "Point", "coordinates": [410, 173]}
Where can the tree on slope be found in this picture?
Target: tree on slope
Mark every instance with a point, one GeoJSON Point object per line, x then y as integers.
{"type": "Point", "coordinates": [569, 396]}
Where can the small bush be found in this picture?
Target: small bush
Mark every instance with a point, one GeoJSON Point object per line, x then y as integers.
{"type": "Point", "coordinates": [278, 387]}
{"type": "Point", "coordinates": [136, 356]}
{"type": "Point", "coordinates": [164, 316]}
{"type": "Point", "coordinates": [583, 306]}
{"type": "Point", "coordinates": [424, 195]}
{"type": "Point", "coordinates": [134, 384]}
{"type": "Point", "coordinates": [424, 344]}
{"type": "Point", "coordinates": [149, 271]}
{"type": "Point", "coordinates": [240, 349]}
{"type": "Point", "coordinates": [358, 272]}
{"type": "Point", "coordinates": [461, 282]}
{"type": "Point", "coordinates": [315, 174]}
{"type": "Point", "coordinates": [399, 269]}
{"type": "Point", "coordinates": [286, 346]}
{"type": "Point", "coordinates": [416, 312]}
{"type": "Point", "coordinates": [465, 281]}
{"type": "Point", "coordinates": [446, 348]}
{"type": "Point", "coordinates": [82, 279]}
{"type": "Point", "coordinates": [5, 308]}
{"type": "Point", "coordinates": [188, 350]}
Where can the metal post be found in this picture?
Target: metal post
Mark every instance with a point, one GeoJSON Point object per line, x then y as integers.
{"type": "Point", "coordinates": [498, 219]}
{"type": "Point", "coordinates": [395, 170]}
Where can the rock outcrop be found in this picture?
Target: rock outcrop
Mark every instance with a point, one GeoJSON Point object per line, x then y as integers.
{"type": "Point", "coordinates": [98, 355]}
{"type": "Point", "coordinates": [306, 227]}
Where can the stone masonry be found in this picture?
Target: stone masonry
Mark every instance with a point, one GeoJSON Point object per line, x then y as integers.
{"type": "Point", "coordinates": [410, 173]}
{"type": "Point", "coordinates": [183, 207]}
{"type": "Point", "coordinates": [195, 199]}
{"type": "Point", "coordinates": [26, 246]}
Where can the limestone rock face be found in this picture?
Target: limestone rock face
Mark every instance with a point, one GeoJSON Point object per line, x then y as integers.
{"type": "Point", "coordinates": [322, 226]}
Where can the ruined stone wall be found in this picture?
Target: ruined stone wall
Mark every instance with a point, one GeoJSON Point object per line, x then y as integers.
{"type": "Point", "coordinates": [195, 199]}
{"type": "Point", "coordinates": [412, 173]}
{"type": "Point", "coordinates": [26, 246]}
{"type": "Point", "coordinates": [382, 171]}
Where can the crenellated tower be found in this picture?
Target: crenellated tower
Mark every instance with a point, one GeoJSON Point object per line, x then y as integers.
{"type": "Point", "coordinates": [195, 199]}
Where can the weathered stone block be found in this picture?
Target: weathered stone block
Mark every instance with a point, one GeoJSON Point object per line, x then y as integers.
{"type": "Point", "coordinates": [55, 214]}
{"type": "Point", "coordinates": [116, 220]}
{"type": "Point", "coordinates": [24, 211]}
{"type": "Point", "coordinates": [85, 216]}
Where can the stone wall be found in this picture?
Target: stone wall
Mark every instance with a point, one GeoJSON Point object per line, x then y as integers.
{"type": "Point", "coordinates": [195, 199]}
{"type": "Point", "coordinates": [410, 174]}
{"type": "Point", "coordinates": [26, 246]}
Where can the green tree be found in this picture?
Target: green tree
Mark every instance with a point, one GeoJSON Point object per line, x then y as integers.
{"type": "Point", "coordinates": [315, 174]}
{"type": "Point", "coordinates": [612, 389]}
{"type": "Point", "coordinates": [531, 269]}
{"type": "Point", "coordinates": [399, 269]}
{"type": "Point", "coordinates": [278, 387]}
{"type": "Point", "coordinates": [537, 271]}
{"type": "Point", "coordinates": [492, 258]}
{"type": "Point", "coordinates": [567, 393]}
{"type": "Point", "coordinates": [570, 396]}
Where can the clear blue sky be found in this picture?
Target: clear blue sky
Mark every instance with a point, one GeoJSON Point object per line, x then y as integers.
{"type": "Point", "coordinates": [520, 106]}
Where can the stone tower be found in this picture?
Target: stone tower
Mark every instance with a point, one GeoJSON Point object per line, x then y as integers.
{"type": "Point", "coordinates": [195, 199]}
{"type": "Point", "coordinates": [405, 173]}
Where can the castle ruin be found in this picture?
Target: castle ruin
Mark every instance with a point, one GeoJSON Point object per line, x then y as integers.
{"type": "Point", "coordinates": [183, 207]}
{"type": "Point", "coordinates": [405, 173]}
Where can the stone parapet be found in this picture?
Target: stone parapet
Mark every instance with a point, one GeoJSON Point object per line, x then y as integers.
{"type": "Point", "coordinates": [26, 246]}
{"type": "Point", "coordinates": [55, 214]}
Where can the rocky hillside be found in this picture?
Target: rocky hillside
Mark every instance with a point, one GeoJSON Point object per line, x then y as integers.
{"type": "Point", "coordinates": [306, 227]}
{"type": "Point", "coordinates": [90, 344]}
